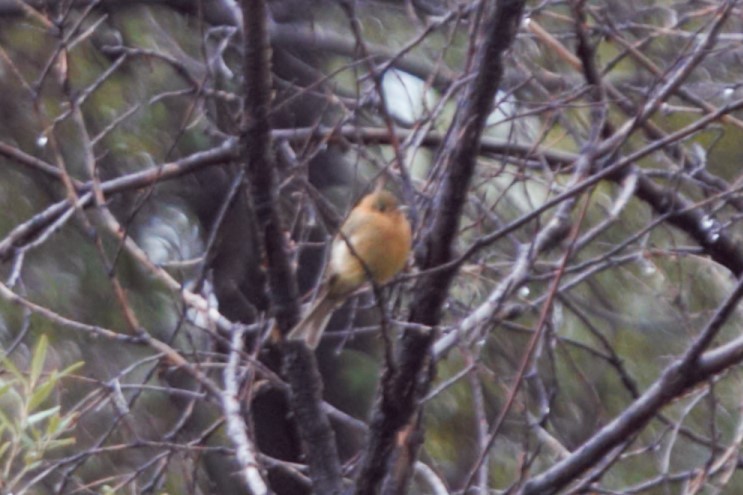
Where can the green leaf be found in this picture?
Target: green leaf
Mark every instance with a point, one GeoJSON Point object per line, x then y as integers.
{"type": "Point", "coordinates": [65, 423]}
{"type": "Point", "coordinates": [27, 441]}
{"type": "Point", "coordinates": [31, 463]}
{"type": "Point", "coordinates": [42, 415]}
{"type": "Point", "coordinates": [4, 388]}
{"type": "Point", "coordinates": [71, 368]}
{"type": "Point", "coordinates": [4, 448]}
{"type": "Point", "coordinates": [37, 363]}
{"type": "Point", "coordinates": [12, 369]}
{"type": "Point", "coordinates": [62, 442]}
{"type": "Point", "coordinates": [41, 393]}
{"type": "Point", "coordinates": [52, 427]}
{"type": "Point", "coordinates": [5, 422]}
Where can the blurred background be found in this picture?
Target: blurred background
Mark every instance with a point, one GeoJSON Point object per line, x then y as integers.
{"type": "Point", "coordinates": [117, 129]}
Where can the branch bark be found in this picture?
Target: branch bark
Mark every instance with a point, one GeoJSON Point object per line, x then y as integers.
{"type": "Point", "coordinates": [406, 381]}
{"type": "Point", "coordinates": [300, 367]}
{"type": "Point", "coordinates": [682, 375]}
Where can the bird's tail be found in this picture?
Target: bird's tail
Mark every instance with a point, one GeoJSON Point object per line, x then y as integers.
{"type": "Point", "coordinates": [311, 327]}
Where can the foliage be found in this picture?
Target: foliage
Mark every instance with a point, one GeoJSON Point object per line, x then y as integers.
{"type": "Point", "coordinates": [32, 425]}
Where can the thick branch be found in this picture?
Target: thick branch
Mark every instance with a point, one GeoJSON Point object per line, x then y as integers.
{"type": "Point", "coordinates": [405, 384]}
{"type": "Point", "coordinates": [459, 157]}
{"type": "Point", "coordinates": [218, 12]}
{"type": "Point", "coordinates": [255, 142]}
{"type": "Point", "coordinates": [300, 366]}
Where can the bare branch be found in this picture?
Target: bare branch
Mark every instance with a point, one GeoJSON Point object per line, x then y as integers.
{"type": "Point", "coordinates": [404, 385]}
{"type": "Point", "coordinates": [245, 451]}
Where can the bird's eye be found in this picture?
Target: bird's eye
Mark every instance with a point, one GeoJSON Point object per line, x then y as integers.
{"type": "Point", "coordinates": [381, 207]}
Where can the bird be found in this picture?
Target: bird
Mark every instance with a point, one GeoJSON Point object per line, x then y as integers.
{"type": "Point", "coordinates": [373, 243]}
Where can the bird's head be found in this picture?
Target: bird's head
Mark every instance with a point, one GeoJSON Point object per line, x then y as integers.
{"type": "Point", "coordinates": [381, 201]}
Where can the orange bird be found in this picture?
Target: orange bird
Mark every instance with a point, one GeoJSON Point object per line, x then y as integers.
{"type": "Point", "coordinates": [379, 237]}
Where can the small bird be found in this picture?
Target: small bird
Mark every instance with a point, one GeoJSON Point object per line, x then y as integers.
{"type": "Point", "coordinates": [379, 237]}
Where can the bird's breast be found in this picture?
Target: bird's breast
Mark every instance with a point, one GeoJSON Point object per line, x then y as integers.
{"type": "Point", "coordinates": [378, 249]}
